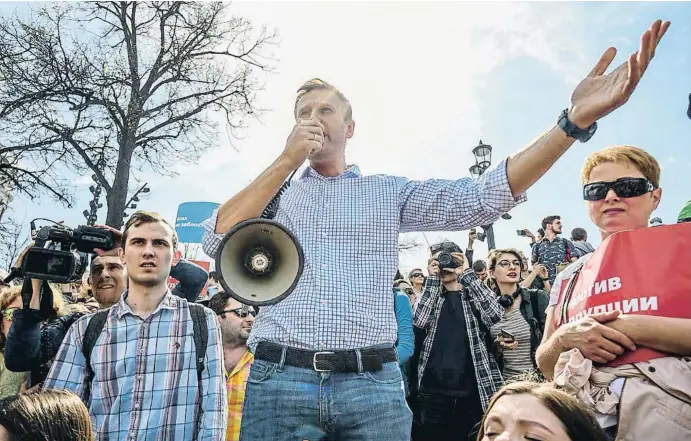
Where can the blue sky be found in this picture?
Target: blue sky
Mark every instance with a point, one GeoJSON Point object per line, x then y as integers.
{"type": "Point", "coordinates": [427, 81]}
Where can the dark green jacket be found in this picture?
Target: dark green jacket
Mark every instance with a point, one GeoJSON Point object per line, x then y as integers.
{"type": "Point", "coordinates": [534, 303]}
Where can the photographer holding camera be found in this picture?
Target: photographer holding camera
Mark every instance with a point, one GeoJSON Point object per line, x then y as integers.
{"type": "Point", "coordinates": [33, 341]}
{"type": "Point", "coordinates": [456, 375]}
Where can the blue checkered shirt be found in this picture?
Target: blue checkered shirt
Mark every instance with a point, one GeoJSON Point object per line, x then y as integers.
{"type": "Point", "coordinates": [145, 384]}
{"type": "Point", "coordinates": [348, 226]}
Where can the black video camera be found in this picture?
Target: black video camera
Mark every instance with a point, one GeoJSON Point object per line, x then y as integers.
{"type": "Point", "coordinates": [61, 254]}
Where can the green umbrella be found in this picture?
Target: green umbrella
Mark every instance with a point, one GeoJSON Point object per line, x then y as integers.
{"type": "Point", "coordinates": [685, 213]}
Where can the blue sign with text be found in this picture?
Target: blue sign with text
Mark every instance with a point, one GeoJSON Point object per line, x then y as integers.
{"type": "Point", "coordinates": [188, 224]}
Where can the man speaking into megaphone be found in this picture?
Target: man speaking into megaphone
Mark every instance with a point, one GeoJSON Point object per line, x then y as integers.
{"type": "Point", "coordinates": [325, 361]}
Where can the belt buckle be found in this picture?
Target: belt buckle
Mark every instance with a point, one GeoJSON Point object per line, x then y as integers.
{"type": "Point", "coordinates": [314, 361]}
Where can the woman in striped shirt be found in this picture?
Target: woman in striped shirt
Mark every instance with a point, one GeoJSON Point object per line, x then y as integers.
{"type": "Point", "coordinates": [516, 337]}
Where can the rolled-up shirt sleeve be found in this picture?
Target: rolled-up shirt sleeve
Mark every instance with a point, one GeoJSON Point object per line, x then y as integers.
{"type": "Point", "coordinates": [451, 205]}
{"type": "Point", "coordinates": [211, 241]}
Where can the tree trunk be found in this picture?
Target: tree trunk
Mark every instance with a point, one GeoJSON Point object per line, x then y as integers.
{"type": "Point", "coordinates": [117, 196]}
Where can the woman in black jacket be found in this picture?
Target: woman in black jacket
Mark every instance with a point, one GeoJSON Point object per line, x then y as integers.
{"type": "Point", "coordinates": [516, 337]}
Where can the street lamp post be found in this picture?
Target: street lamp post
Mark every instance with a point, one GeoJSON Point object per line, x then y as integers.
{"type": "Point", "coordinates": [483, 160]}
{"type": "Point", "coordinates": [91, 215]}
{"type": "Point", "coordinates": [135, 198]}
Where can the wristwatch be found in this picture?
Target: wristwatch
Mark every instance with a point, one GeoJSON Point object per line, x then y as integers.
{"type": "Point", "coordinates": [572, 130]}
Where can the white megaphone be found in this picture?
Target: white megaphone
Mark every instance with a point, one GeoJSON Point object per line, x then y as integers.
{"type": "Point", "coordinates": [259, 262]}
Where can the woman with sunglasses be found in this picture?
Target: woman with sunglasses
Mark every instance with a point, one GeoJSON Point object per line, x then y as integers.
{"type": "Point", "coordinates": [516, 337]}
{"type": "Point", "coordinates": [621, 187]}
{"type": "Point", "coordinates": [417, 280]}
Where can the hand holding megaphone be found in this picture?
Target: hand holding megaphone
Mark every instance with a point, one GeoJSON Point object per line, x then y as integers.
{"type": "Point", "coordinates": [306, 139]}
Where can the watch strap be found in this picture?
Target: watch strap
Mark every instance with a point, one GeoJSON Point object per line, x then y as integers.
{"type": "Point", "coordinates": [572, 130]}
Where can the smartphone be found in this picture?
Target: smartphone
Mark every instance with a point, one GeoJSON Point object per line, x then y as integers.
{"type": "Point", "coordinates": [507, 336]}
{"type": "Point", "coordinates": [520, 232]}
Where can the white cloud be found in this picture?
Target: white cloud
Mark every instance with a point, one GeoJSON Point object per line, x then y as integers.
{"type": "Point", "coordinates": [412, 72]}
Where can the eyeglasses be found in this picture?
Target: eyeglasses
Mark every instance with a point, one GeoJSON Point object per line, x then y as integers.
{"type": "Point", "coordinates": [240, 312]}
{"type": "Point", "coordinates": [7, 313]}
{"type": "Point", "coordinates": [417, 275]}
{"type": "Point", "coordinates": [506, 263]}
{"type": "Point", "coordinates": [407, 291]}
{"type": "Point", "coordinates": [445, 246]}
{"type": "Point", "coordinates": [623, 187]}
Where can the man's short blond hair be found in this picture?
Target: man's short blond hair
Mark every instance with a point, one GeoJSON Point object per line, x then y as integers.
{"type": "Point", "coordinates": [147, 217]}
{"type": "Point", "coordinates": [626, 154]}
{"type": "Point", "coordinates": [317, 84]}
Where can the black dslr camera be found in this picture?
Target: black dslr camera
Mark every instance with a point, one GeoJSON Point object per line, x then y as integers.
{"type": "Point", "coordinates": [61, 254]}
{"type": "Point", "coordinates": [446, 260]}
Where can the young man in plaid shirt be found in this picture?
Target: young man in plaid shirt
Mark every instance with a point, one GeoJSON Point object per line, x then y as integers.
{"type": "Point", "coordinates": [142, 380]}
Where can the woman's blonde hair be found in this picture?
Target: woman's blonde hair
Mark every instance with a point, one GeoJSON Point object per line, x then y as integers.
{"type": "Point", "coordinates": [60, 305]}
{"type": "Point", "coordinates": [492, 261]}
{"type": "Point", "coordinates": [626, 154]}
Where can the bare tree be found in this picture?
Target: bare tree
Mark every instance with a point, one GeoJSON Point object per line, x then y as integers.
{"type": "Point", "coordinates": [190, 251]}
{"type": "Point", "coordinates": [13, 239]}
{"type": "Point", "coordinates": [408, 244]}
{"type": "Point", "coordinates": [143, 84]}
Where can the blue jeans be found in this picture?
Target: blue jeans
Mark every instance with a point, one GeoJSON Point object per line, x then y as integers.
{"type": "Point", "coordinates": [295, 404]}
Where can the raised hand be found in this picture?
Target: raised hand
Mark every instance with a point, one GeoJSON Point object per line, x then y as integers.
{"type": "Point", "coordinates": [306, 139]}
{"type": "Point", "coordinates": [459, 258]}
{"type": "Point", "coordinates": [118, 242]}
{"type": "Point", "coordinates": [599, 94]}
{"type": "Point", "coordinates": [433, 268]}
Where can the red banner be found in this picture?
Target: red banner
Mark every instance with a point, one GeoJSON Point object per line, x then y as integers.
{"type": "Point", "coordinates": [645, 271]}
{"type": "Point", "coordinates": [206, 265]}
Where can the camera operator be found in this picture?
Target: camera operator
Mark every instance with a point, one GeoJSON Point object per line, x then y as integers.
{"type": "Point", "coordinates": [456, 375]}
{"type": "Point", "coordinates": [32, 342]}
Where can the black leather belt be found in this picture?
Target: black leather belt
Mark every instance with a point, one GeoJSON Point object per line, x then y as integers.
{"type": "Point", "coordinates": [327, 361]}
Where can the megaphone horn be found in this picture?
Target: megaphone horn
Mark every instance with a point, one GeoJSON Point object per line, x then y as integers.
{"type": "Point", "coordinates": [259, 262]}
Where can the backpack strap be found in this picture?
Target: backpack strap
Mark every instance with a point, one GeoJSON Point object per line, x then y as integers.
{"type": "Point", "coordinates": [93, 331]}
{"type": "Point", "coordinates": [201, 335]}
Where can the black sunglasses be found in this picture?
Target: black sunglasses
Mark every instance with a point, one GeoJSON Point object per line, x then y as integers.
{"type": "Point", "coordinates": [417, 275]}
{"type": "Point", "coordinates": [623, 187]}
{"type": "Point", "coordinates": [240, 312]}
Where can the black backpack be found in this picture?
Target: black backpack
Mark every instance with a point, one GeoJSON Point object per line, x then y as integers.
{"type": "Point", "coordinates": [98, 321]}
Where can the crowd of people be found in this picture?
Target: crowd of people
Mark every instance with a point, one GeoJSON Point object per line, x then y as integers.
{"type": "Point", "coordinates": [466, 348]}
